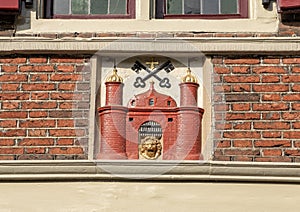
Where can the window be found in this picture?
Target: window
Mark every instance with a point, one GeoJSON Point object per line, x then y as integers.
{"type": "Point", "coordinates": [215, 9]}
{"type": "Point", "coordinates": [89, 8]}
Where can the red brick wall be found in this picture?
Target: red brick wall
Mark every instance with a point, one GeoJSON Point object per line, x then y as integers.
{"type": "Point", "coordinates": [257, 109]}
{"type": "Point", "coordinates": [44, 107]}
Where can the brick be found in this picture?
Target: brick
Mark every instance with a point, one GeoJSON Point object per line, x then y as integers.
{"type": "Point", "coordinates": [271, 61]}
{"type": "Point", "coordinates": [35, 157]}
{"type": "Point", "coordinates": [242, 158]}
{"type": "Point", "coordinates": [66, 77]}
{"type": "Point", "coordinates": [35, 150]}
{"type": "Point", "coordinates": [35, 68]}
{"type": "Point", "coordinates": [66, 132]}
{"type": "Point", "coordinates": [13, 78]}
{"type": "Point", "coordinates": [37, 132]}
{"type": "Point", "coordinates": [296, 125]}
{"type": "Point", "coordinates": [291, 115]}
{"type": "Point", "coordinates": [38, 60]}
{"type": "Point", "coordinates": [222, 88]}
{"type": "Point", "coordinates": [241, 88]}
{"type": "Point", "coordinates": [223, 126]}
{"type": "Point", "coordinates": [13, 60]}
{"type": "Point", "coordinates": [292, 135]}
{"type": "Point", "coordinates": [65, 142]}
{"type": "Point", "coordinates": [272, 159]}
{"type": "Point", "coordinates": [291, 97]}
{"type": "Point", "coordinates": [291, 78]}
{"type": "Point", "coordinates": [242, 152]}
{"type": "Point", "coordinates": [61, 114]}
{"type": "Point", "coordinates": [242, 126]}
{"type": "Point", "coordinates": [7, 157]}
{"type": "Point", "coordinates": [37, 123]}
{"type": "Point", "coordinates": [10, 87]}
{"type": "Point", "coordinates": [39, 105]}
{"type": "Point", "coordinates": [242, 143]}
{"type": "Point", "coordinates": [11, 150]}
{"type": "Point", "coordinates": [38, 77]}
{"type": "Point", "coordinates": [271, 116]}
{"type": "Point", "coordinates": [240, 107]}
{"type": "Point", "coordinates": [296, 106]}
{"type": "Point", "coordinates": [66, 60]}
{"type": "Point", "coordinates": [242, 134]}
{"type": "Point", "coordinates": [242, 97]}
{"type": "Point", "coordinates": [242, 79]}
{"type": "Point", "coordinates": [242, 116]}
{"type": "Point", "coordinates": [296, 88]}
{"type": "Point", "coordinates": [291, 60]}
{"type": "Point", "coordinates": [270, 106]}
{"type": "Point", "coordinates": [272, 152]}
{"type": "Point", "coordinates": [12, 133]}
{"type": "Point", "coordinates": [38, 87]}
{"type": "Point", "coordinates": [39, 96]}
{"type": "Point", "coordinates": [10, 105]}
{"type": "Point", "coordinates": [65, 150]}
{"type": "Point", "coordinates": [271, 134]}
{"type": "Point", "coordinates": [13, 114]}
{"type": "Point", "coordinates": [271, 97]}
{"type": "Point", "coordinates": [272, 143]}
{"type": "Point", "coordinates": [7, 142]}
{"type": "Point", "coordinates": [66, 105]}
{"type": "Point", "coordinates": [269, 69]}
{"type": "Point", "coordinates": [38, 114]}
{"type": "Point", "coordinates": [67, 86]}
{"type": "Point", "coordinates": [66, 68]}
{"type": "Point", "coordinates": [221, 70]}
{"type": "Point", "coordinates": [270, 79]}
{"type": "Point", "coordinates": [292, 152]}
{"type": "Point", "coordinates": [296, 70]}
{"type": "Point", "coordinates": [241, 70]}
{"type": "Point", "coordinates": [65, 96]}
{"type": "Point", "coordinates": [8, 123]}
{"type": "Point", "coordinates": [9, 68]}
{"type": "Point", "coordinates": [14, 96]}
{"type": "Point", "coordinates": [36, 142]}
{"type": "Point", "coordinates": [242, 61]}
{"type": "Point", "coordinates": [223, 144]}
{"type": "Point", "coordinates": [272, 125]}
{"type": "Point", "coordinates": [65, 123]}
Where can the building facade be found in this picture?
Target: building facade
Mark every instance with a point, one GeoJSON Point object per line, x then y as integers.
{"type": "Point", "coordinates": [55, 57]}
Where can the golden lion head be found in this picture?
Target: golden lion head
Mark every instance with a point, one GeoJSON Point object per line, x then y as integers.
{"type": "Point", "coordinates": [150, 148]}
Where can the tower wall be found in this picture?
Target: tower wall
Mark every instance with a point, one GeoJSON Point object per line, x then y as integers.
{"type": "Point", "coordinates": [188, 94]}
{"type": "Point", "coordinates": [114, 93]}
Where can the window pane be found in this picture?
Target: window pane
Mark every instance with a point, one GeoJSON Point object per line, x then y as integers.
{"type": "Point", "coordinates": [192, 7]}
{"type": "Point", "coordinates": [210, 6]}
{"type": "Point", "coordinates": [117, 7]}
{"type": "Point", "coordinates": [80, 6]}
{"type": "Point", "coordinates": [61, 6]}
{"type": "Point", "coordinates": [174, 7]}
{"type": "Point", "coordinates": [99, 6]}
{"type": "Point", "coordinates": [229, 7]}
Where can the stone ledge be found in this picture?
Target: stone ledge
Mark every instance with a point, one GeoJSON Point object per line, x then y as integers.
{"type": "Point", "coordinates": [149, 171]}
{"type": "Point", "coordinates": [176, 46]}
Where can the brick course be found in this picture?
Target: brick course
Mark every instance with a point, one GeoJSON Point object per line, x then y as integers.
{"type": "Point", "coordinates": [35, 121]}
{"type": "Point", "coordinates": [259, 120]}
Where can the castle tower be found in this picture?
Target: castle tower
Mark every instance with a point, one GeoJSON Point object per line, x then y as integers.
{"type": "Point", "coordinates": [112, 119]}
{"type": "Point", "coordinates": [189, 120]}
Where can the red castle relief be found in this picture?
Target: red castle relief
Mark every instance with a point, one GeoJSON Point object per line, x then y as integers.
{"type": "Point", "coordinates": [152, 127]}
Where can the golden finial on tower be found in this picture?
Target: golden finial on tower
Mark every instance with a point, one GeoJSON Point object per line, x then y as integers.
{"type": "Point", "coordinates": [189, 77]}
{"type": "Point", "coordinates": [114, 77]}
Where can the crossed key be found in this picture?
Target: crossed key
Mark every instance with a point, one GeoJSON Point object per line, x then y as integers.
{"type": "Point", "coordinates": [141, 82]}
